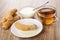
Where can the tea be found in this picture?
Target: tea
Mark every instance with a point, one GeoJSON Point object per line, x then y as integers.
{"type": "Point", "coordinates": [47, 15]}
{"type": "Point", "coordinates": [46, 12]}
{"type": "Point", "coordinates": [47, 20]}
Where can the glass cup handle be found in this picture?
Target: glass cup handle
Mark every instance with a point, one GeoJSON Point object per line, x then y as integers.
{"type": "Point", "coordinates": [57, 19]}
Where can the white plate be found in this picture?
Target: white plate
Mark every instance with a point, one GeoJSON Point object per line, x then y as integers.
{"type": "Point", "coordinates": [27, 34]}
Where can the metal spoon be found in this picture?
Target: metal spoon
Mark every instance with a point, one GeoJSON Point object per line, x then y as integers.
{"type": "Point", "coordinates": [40, 6]}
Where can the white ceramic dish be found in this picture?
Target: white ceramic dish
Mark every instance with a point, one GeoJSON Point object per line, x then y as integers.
{"type": "Point", "coordinates": [27, 10]}
{"type": "Point", "coordinates": [27, 34]}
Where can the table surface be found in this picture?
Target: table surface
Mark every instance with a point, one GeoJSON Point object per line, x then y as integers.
{"type": "Point", "coordinates": [50, 32]}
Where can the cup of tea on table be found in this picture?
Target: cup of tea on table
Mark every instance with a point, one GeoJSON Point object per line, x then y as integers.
{"type": "Point", "coordinates": [47, 14]}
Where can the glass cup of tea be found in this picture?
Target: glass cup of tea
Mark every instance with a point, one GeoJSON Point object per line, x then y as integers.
{"type": "Point", "coordinates": [47, 14]}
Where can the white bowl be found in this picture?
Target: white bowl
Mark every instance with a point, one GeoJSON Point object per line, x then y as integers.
{"type": "Point", "coordinates": [27, 10]}
{"type": "Point", "coordinates": [27, 34]}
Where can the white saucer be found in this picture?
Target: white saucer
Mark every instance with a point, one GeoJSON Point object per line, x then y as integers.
{"type": "Point", "coordinates": [26, 34]}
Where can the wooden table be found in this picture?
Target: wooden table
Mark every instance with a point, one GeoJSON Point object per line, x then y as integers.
{"type": "Point", "coordinates": [50, 32]}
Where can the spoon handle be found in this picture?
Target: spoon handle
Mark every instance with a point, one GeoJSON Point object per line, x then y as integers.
{"type": "Point", "coordinates": [40, 6]}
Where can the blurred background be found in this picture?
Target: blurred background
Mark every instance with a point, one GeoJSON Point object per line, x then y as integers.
{"type": "Point", "coordinates": [5, 5]}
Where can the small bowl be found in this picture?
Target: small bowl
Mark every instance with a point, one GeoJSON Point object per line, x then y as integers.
{"type": "Point", "coordinates": [27, 34]}
{"type": "Point", "coordinates": [27, 12]}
